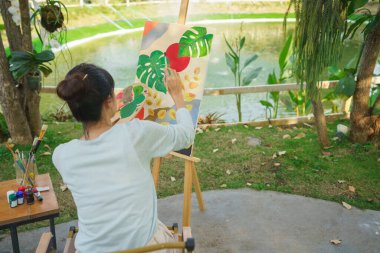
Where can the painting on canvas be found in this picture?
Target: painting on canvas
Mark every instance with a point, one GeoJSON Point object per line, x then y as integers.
{"type": "Point", "coordinates": [183, 48]}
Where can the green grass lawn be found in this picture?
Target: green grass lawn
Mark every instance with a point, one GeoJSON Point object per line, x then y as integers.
{"type": "Point", "coordinates": [302, 170]}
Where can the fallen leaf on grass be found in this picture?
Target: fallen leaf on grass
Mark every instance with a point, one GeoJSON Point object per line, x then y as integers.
{"type": "Point", "coordinates": [172, 179]}
{"type": "Point", "coordinates": [300, 136]}
{"type": "Point", "coordinates": [63, 187]}
{"type": "Point", "coordinates": [270, 126]}
{"type": "Point", "coordinates": [274, 156]}
{"type": "Point", "coordinates": [258, 128]}
{"type": "Point", "coordinates": [249, 184]}
{"type": "Point", "coordinates": [245, 126]}
{"type": "Point", "coordinates": [336, 241]}
{"type": "Point", "coordinates": [262, 163]}
{"type": "Point", "coordinates": [341, 181]}
{"type": "Point", "coordinates": [277, 164]}
{"type": "Point", "coordinates": [48, 147]}
{"type": "Point", "coordinates": [308, 125]}
{"type": "Point", "coordinates": [351, 188]}
{"type": "Point", "coordinates": [233, 140]}
{"type": "Point", "coordinates": [286, 136]}
{"type": "Point", "coordinates": [348, 206]}
{"type": "Point", "coordinates": [290, 169]}
{"type": "Point", "coordinates": [281, 153]}
{"type": "Point", "coordinates": [46, 153]}
{"type": "Point", "coordinates": [228, 172]}
{"type": "Point", "coordinates": [335, 138]}
{"type": "Point", "coordinates": [215, 150]}
{"type": "Point", "coordinates": [217, 129]}
{"type": "Point", "coordinates": [223, 186]}
{"type": "Point", "coordinates": [325, 153]}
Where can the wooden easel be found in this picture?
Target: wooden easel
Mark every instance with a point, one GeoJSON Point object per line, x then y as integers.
{"type": "Point", "coordinates": [191, 176]}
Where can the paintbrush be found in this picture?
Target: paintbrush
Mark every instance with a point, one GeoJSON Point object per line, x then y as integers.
{"type": "Point", "coordinates": [40, 137]}
{"type": "Point", "coordinates": [18, 161]}
{"type": "Point", "coordinates": [36, 143]}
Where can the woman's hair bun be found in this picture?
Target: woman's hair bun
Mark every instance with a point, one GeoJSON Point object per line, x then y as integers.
{"type": "Point", "coordinates": [73, 87]}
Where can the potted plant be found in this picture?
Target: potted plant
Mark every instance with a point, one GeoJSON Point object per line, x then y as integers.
{"type": "Point", "coordinates": [30, 64]}
{"type": "Point", "coordinates": [51, 15]}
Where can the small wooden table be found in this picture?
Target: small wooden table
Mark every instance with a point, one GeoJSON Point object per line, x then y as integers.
{"type": "Point", "coordinates": [24, 214]}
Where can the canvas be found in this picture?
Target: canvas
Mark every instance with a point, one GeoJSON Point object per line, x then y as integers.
{"type": "Point", "coordinates": [183, 48]}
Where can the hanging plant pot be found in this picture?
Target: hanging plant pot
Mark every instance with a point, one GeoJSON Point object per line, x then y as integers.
{"type": "Point", "coordinates": [51, 17]}
{"type": "Point", "coordinates": [34, 80]}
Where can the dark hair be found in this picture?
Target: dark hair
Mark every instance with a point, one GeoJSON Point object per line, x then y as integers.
{"type": "Point", "coordinates": [85, 88]}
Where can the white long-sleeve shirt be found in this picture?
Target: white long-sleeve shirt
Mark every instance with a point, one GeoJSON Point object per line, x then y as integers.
{"type": "Point", "coordinates": [111, 183]}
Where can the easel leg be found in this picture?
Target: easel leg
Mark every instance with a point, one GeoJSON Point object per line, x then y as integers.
{"type": "Point", "coordinates": [156, 170]}
{"type": "Point", "coordinates": [197, 188]}
{"type": "Point", "coordinates": [187, 189]}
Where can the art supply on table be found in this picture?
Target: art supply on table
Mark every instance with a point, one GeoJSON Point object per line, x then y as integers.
{"type": "Point", "coordinates": [12, 200]}
{"type": "Point", "coordinates": [42, 188]}
{"type": "Point", "coordinates": [18, 162]}
{"type": "Point", "coordinates": [37, 194]}
{"type": "Point", "coordinates": [31, 162]}
{"type": "Point", "coordinates": [20, 197]}
{"type": "Point", "coordinates": [22, 188]}
{"type": "Point", "coordinates": [8, 194]}
{"type": "Point", "coordinates": [29, 197]}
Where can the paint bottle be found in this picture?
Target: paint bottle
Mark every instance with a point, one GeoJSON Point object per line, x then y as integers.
{"type": "Point", "coordinates": [12, 200]}
{"type": "Point", "coordinates": [8, 194]}
{"type": "Point", "coordinates": [20, 197]}
{"type": "Point", "coordinates": [22, 188]}
{"type": "Point", "coordinates": [37, 194]}
{"type": "Point", "coordinates": [29, 197]}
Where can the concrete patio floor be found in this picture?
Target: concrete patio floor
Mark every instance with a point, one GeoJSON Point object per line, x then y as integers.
{"type": "Point", "coordinates": [257, 222]}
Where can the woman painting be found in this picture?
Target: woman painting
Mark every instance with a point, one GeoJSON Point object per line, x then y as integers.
{"type": "Point", "coordinates": [108, 169]}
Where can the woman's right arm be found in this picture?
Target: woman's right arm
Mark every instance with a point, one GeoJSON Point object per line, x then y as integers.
{"type": "Point", "coordinates": [159, 140]}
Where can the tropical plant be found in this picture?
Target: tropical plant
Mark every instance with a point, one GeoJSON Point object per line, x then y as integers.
{"type": "Point", "coordinates": [195, 42]}
{"type": "Point", "coordinates": [30, 64]}
{"type": "Point", "coordinates": [51, 16]}
{"type": "Point", "coordinates": [211, 118]}
{"type": "Point", "coordinates": [317, 44]}
{"type": "Point", "coordinates": [138, 97]}
{"type": "Point", "coordinates": [150, 70]}
{"type": "Point", "coordinates": [243, 75]}
{"type": "Point", "coordinates": [285, 73]}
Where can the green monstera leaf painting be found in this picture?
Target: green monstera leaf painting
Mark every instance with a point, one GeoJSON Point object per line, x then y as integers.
{"type": "Point", "coordinates": [150, 70]}
{"type": "Point", "coordinates": [195, 42]}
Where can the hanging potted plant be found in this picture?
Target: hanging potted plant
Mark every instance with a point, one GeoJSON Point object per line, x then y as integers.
{"type": "Point", "coordinates": [30, 65]}
{"type": "Point", "coordinates": [51, 15]}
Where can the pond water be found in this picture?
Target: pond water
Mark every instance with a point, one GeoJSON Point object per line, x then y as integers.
{"type": "Point", "coordinates": [119, 55]}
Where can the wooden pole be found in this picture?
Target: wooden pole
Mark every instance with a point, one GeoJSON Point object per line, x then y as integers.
{"type": "Point", "coordinates": [156, 170]}
{"type": "Point", "coordinates": [183, 12]}
{"type": "Point", "coordinates": [197, 188]}
{"type": "Point", "coordinates": [187, 189]}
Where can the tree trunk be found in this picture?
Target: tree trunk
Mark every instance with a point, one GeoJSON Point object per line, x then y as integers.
{"type": "Point", "coordinates": [320, 121]}
{"type": "Point", "coordinates": [365, 126]}
{"type": "Point", "coordinates": [16, 101]}
{"type": "Point", "coordinates": [9, 102]}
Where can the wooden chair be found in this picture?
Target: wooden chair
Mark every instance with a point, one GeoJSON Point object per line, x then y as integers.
{"type": "Point", "coordinates": [185, 242]}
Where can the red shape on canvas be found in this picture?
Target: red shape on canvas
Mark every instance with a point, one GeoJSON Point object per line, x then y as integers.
{"type": "Point", "coordinates": [177, 63]}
